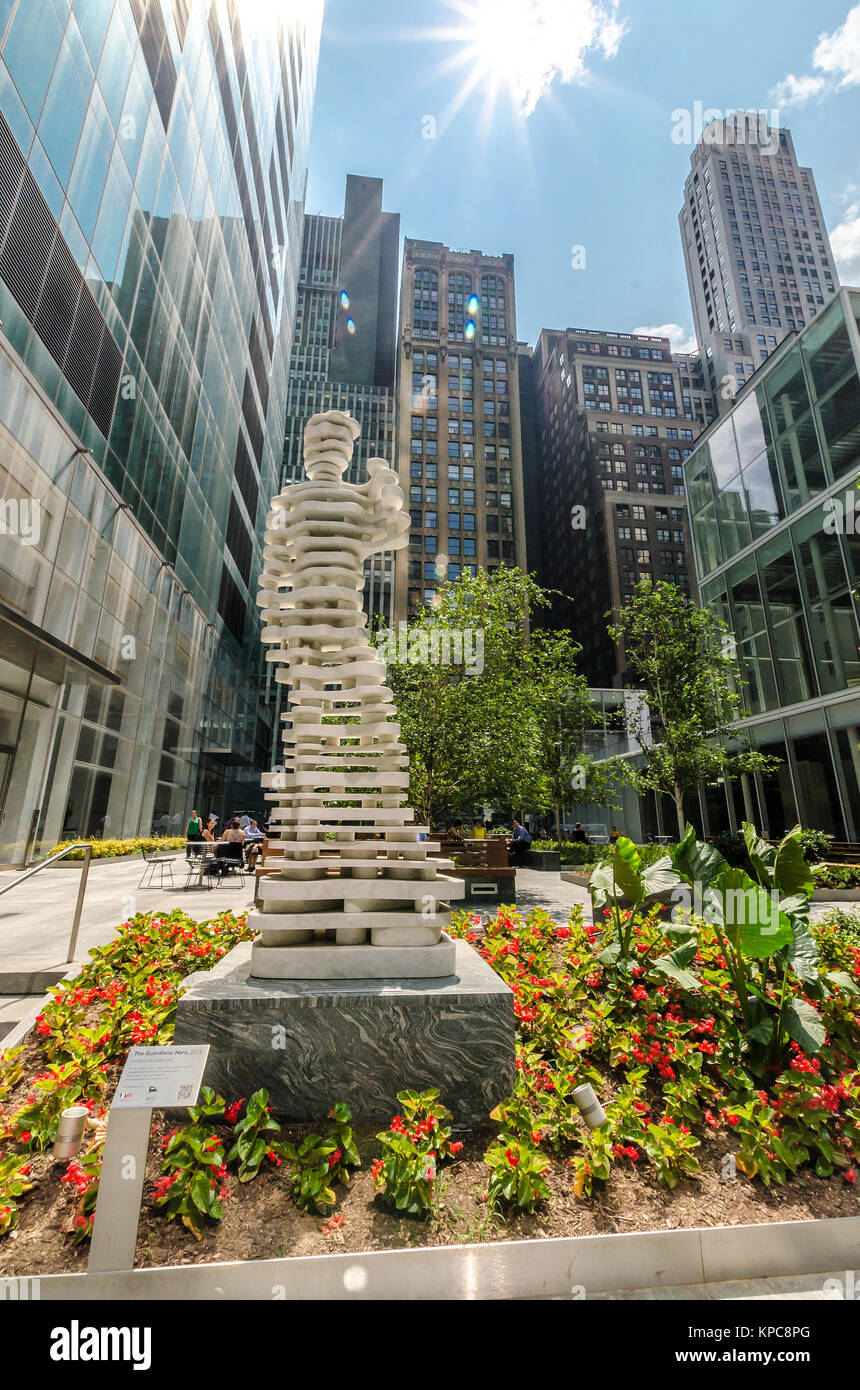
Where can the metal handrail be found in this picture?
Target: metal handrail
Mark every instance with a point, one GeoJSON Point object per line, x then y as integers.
{"type": "Point", "coordinates": [82, 886]}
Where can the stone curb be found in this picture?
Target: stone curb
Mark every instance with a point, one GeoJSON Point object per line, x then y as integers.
{"type": "Point", "coordinates": [554, 1268]}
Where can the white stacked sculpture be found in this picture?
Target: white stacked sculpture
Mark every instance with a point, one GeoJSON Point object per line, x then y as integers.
{"type": "Point", "coordinates": [353, 893]}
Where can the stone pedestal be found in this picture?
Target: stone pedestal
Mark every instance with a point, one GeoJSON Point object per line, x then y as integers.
{"type": "Point", "coordinates": [314, 1042]}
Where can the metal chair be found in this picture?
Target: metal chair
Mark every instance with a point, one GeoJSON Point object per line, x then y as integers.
{"type": "Point", "coordinates": [153, 861]}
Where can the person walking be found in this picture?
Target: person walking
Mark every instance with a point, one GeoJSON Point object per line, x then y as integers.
{"type": "Point", "coordinates": [193, 834]}
{"type": "Point", "coordinates": [518, 844]}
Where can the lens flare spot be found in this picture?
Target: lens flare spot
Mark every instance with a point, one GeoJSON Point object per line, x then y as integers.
{"type": "Point", "coordinates": [470, 330]}
{"type": "Point", "coordinates": [350, 325]}
{"type": "Point", "coordinates": [474, 304]}
{"type": "Point", "coordinates": [344, 299]}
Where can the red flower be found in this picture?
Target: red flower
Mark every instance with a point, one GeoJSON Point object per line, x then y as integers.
{"type": "Point", "coordinates": [25, 1136]}
{"type": "Point", "coordinates": [334, 1159]}
{"type": "Point", "coordinates": [376, 1167]}
{"type": "Point", "coordinates": [512, 1158]}
{"type": "Point", "coordinates": [455, 1147]}
{"type": "Point", "coordinates": [849, 1175]}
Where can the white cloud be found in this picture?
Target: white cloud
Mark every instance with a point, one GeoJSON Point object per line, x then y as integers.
{"type": "Point", "coordinates": [793, 90]}
{"type": "Point", "coordinates": [839, 52]}
{"type": "Point", "coordinates": [679, 339]}
{"type": "Point", "coordinates": [845, 241]}
{"type": "Point", "coordinates": [527, 45]}
{"type": "Point", "coordinates": [837, 58]}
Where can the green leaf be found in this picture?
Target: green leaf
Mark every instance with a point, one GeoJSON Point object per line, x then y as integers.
{"type": "Point", "coordinates": [748, 914]}
{"type": "Point", "coordinates": [696, 861]}
{"type": "Point", "coordinates": [762, 855]}
{"type": "Point", "coordinates": [626, 870]}
{"type": "Point", "coordinates": [601, 885]}
{"type": "Point", "coordinates": [761, 1032]}
{"type": "Point", "coordinates": [803, 1023]}
{"type": "Point", "coordinates": [791, 872]}
{"type": "Point", "coordinates": [660, 878]}
{"type": "Point", "coordinates": [201, 1192]}
{"type": "Point", "coordinates": [842, 980]}
{"type": "Point", "coordinates": [685, 978]}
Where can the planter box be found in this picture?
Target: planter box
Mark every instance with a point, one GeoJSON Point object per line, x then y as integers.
{"type": "Point", "coordinates": [549, 860]}
{"type": "Point", "coordinates": [520, 1269]}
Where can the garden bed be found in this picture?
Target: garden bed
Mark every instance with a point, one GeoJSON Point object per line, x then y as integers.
{"type": "Point", "coordinates": [688, 1136]}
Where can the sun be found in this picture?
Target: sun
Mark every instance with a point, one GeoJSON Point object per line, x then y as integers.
{"type": "Point", "coordinates": [514, 50]}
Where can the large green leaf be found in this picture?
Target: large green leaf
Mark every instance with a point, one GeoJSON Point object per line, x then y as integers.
{"type": "Point", "coordinates": [791, 872]}
{"type": "Point", "coordinates": [842, 980]}
{"type": "Point", "coordinates": [748, 914]}
{"type": "Point", "coordinates": [660, 878]}
{"type": "Point", "coordinates": [695, 860]}
{"type": "Point", "coordinates": [626, 869]}
{"type": "Point", "coordinates": [601, 884]}
{"type": "Point", "coordinates": [803, 952]}
{"type": "Point", "coordinates": [803, 1023]}
{"type": "Point", "coordinates": [673, 965]}
{"type": "Point", "coordinates": [762, 855]}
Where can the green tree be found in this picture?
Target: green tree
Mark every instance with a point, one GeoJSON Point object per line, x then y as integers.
{"type": "Point", "coordinates": [558, 707]}
{"type": "Point", "coordinates": [685, 660]}
{"type": "Point", "coordinates": [465, 723]}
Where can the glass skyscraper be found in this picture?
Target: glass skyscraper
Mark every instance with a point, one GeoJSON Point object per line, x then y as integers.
{"type": "Point", "coordinates": [153, 158]}
{"type": "Point", "coordinates": [772, 491]}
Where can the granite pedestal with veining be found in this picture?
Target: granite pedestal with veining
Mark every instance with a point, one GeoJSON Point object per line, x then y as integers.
{"type": "Point", "coordinates": [314, 1042]}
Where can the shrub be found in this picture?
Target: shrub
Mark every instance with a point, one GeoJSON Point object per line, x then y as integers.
{"type": "Point", "coordinates": [414, 1147]}
{"type": "Point", "coordinates": [815, 845]}
{"type": "Point", "coordinates": [516, 1173]}
{"type": "Point", "coordinates": [836, 875]}
{"type": "Point", "coordinates": [317, 1163]}
{"type": "Point", "coordinates": [114, 849]}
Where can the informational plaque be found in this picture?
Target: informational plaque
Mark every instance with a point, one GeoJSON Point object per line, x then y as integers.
{"type": "Point", "coordinates": [158, 1077]}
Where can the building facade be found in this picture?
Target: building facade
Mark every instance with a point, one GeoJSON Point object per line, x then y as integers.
{"type": "Point", "coordinates": [756, 250]}
{"type": "Point", "coordinates": [612, 437]}
{"type": "Point", "coordinates": [459, 446]}
{"type": "Point", "coordinates": [344, 347]}
{"type": "Point", "coordinates": [152, 169]}
{"type": "Point", "coordinates": [772, 495]}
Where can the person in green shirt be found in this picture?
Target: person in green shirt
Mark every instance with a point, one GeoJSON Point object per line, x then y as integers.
{"type": "Point", "coordinates": [193, 833]}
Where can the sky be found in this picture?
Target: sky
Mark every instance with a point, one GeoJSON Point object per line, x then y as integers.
{"type": "Point", "coordinates": [554, 129]}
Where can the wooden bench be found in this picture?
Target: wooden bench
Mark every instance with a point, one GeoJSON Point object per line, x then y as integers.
{"type": "Point", "coordinates": [484, 866]}
{"type": "Point", "coordinates": [482, 863]}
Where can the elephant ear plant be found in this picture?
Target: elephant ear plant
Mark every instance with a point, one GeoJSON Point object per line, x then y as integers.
{"type": "Point", "coordinates": [761, 920]}
{"type": "Point", "coordinates": [623, 879]}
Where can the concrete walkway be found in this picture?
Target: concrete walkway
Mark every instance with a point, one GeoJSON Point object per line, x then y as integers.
{"type": "Point", "coordinates": [36, 918]}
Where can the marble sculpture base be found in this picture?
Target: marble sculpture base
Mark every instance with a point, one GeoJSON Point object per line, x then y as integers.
{"type": "Point", "coordinates": [314, 1042]}
{"type": "Point", "coordinates": [325, 960]}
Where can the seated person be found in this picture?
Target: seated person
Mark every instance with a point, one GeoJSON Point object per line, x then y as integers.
{"type": "Point", "coordinates": [580, 834]}
{"type": "Point", "coordinates": [455, 830]}
{"type": "Point", "coordinates": [518, 844]}
{"type": "Point", "coordinates": [254, 838]}
{"type": "Point", "coordinates": [614, 834]}
{"type": "Point", "coordinates": [478, 831]}
{"type": "Point", "coordinates": [229, 849]}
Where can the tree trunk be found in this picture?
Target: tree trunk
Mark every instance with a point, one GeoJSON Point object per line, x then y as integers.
{"type": "Point", "coordinates": [558, 825]}
{"type": "Point", "coordinates": [679, 808]}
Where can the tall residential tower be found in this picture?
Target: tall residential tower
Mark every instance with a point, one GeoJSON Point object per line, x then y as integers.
{"type": "Point", "coordinates": [756, 250]}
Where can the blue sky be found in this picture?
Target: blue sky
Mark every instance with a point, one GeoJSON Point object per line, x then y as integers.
{"type": "Point", "coordinates": [577, 148]}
